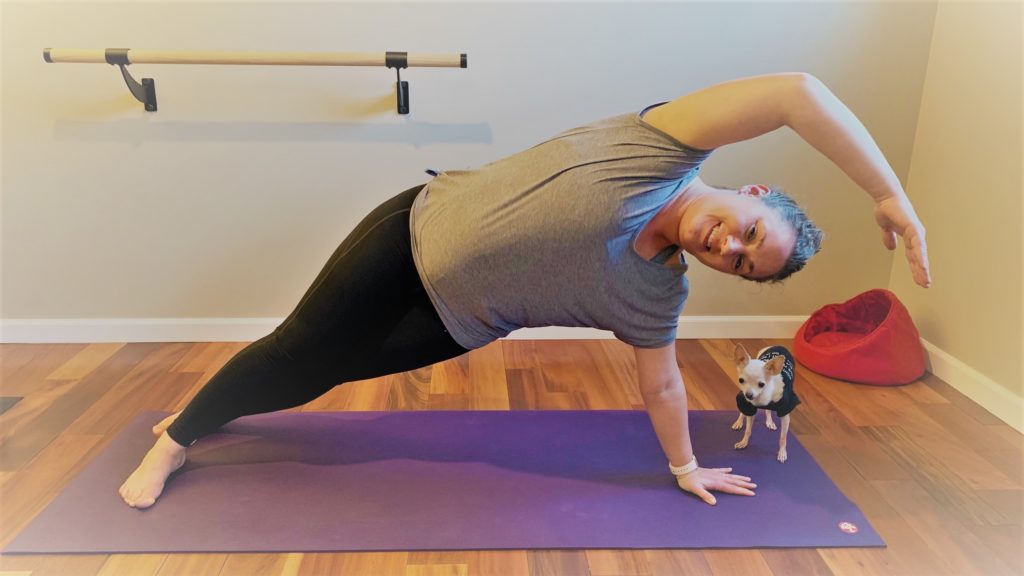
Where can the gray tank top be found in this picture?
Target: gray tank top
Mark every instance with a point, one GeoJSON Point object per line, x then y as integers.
{"type": "Point", "coordinates": [545, 237]}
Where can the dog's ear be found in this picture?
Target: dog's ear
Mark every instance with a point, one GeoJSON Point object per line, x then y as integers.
{"type": "Point", "coordinates": [740, 356]}
{"type": "Point", "coordinates": [774, 366]}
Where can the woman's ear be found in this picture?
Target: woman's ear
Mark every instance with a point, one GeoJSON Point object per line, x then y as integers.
{"type": "Point", "coordinates": [755, 190]}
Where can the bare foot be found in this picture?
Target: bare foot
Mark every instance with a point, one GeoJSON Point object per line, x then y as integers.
{"type": "Point", "coordinates": [164, 424]}
{"type": "Point", "coordinates": [145, 484]}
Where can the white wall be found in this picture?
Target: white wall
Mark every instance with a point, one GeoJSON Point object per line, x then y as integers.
{"type": "Point", "coordinates": [966, 182]}
{"type": "Point", "coordinates": [226, 202]}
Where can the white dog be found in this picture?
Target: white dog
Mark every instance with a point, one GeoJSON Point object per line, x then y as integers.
{"type": "Point", "coordinates": [765, 382]}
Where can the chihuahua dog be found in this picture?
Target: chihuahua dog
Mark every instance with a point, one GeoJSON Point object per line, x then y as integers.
{"type": "Point", "coordinates": [765, 382]}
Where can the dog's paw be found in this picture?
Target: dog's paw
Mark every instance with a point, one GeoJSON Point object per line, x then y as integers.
{"type": "Point", "coordinates": [782, 455]}
{"type": "Point", "coordinates": [740, 445]}
{"type": "Point", "coordinates": [771, 424]}
{"type": "Point", "coordinates": [737, 425]}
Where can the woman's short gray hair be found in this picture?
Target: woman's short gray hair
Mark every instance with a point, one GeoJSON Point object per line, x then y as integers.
{"type": "Point", "coordinates": [808, 236]}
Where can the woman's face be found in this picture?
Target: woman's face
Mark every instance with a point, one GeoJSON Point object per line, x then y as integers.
{"type": "Point", "coordinates": [737, 234]}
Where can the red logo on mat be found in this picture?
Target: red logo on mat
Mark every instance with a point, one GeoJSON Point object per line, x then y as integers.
{"type": "Point", "coordinates": [848, 527]}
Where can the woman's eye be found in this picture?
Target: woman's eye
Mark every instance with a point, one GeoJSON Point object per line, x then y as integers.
{"type": "Point", "coordinates": [738, 263]}
{"type": "Point", "coordinates": [752, 234]}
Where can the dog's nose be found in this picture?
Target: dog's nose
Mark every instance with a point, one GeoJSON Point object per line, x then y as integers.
{"type": "Point", "coordinates": [749, 395]}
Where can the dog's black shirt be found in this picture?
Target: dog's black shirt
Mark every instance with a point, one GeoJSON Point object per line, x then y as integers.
{"type": "Point", "coordinates": [789, 400]}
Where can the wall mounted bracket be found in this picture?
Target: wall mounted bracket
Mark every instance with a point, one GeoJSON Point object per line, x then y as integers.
{"type": "Point", "coordinates": [145, 92]}
{"type": "Point", "coordinates": [399, 60]}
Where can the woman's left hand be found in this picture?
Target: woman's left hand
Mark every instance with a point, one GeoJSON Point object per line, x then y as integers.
{"type": "Point", "coordinates": [702, 480]}
{"type": "Point", "coordinates": [896, 216]}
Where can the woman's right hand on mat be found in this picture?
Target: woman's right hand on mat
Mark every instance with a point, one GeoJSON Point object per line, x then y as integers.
{"type": "Point", "coordinates": [701, 480]}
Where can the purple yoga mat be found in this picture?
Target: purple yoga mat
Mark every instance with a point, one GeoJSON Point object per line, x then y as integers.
{"type": "Point", "coordinates": [348, 481]}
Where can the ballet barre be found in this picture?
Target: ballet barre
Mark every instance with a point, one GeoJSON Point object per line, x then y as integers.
{"type": "Point", "coordinates": [146, 91]}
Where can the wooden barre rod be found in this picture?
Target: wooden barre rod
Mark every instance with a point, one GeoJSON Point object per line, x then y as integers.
{"type": "Point", "coordinates": [99, 56]}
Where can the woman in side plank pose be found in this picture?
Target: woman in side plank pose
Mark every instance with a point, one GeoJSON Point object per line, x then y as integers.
{"type": "Point", "coordinates": [586, 229]}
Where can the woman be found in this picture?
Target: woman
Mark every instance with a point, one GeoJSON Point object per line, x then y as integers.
{"type": "Point", "coordinates": [586, 229]}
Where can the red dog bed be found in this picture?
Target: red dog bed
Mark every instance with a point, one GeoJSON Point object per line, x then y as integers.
{"type": "Point", "coordinates": [868, 339]}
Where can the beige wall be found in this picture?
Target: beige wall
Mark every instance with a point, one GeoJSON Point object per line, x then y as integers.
{"type": "Point", "coordinates": [226, 202]}
{"type": "Point", "coordinates": [966, 181]}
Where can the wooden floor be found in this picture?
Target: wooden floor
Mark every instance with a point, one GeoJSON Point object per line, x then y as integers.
{"type": "Point", "coordinates": [941, 479]}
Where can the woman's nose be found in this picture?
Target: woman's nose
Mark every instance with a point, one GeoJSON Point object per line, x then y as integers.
{"type": "Point", "coordinates": [730, 244]}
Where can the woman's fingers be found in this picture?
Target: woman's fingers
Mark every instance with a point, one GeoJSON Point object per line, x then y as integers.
{"type": "Point", "coordinates": [739, 490]}
{"type": "Point", "coordinates": [725, 472]}
{"type": "Point", "coordinates": [897, 218]}
{"type": "Point", "coordinates": [735, 485]}
{"type": "Point", "coordinates": [706, 496]}
{"type": "Point", "coordinates": [917, 256]}
{"type": "Point", "coordinates": [889, 238]}
{"type": "Point", "coordinates": [743, 483]}
{"type": "Point", "coordinates": [737, 480]}
{"type": "Point", "coordinates": [730, 483]}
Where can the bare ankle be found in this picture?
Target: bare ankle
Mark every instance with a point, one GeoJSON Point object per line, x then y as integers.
{"type": "Point", "coordinates": [166, 442]}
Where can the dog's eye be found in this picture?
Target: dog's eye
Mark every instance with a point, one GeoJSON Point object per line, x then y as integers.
{"type": "Point", "coordinates": [760, 384]}
{"type": "Point", "coordinates": [741, 380]}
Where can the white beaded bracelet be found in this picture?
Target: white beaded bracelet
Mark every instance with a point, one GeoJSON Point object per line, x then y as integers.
{"type": "Point", "coordinates": [684, 469]}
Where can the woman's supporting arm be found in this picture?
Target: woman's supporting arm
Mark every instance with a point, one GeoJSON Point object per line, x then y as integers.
{"type": "Point", "coordinates": [661, 386]}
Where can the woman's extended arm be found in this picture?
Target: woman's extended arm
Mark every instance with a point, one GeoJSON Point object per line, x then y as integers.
{"type": "Point", "coordinates": [749, 107]}
{"type": "Point", "coordinates": [824, 122]}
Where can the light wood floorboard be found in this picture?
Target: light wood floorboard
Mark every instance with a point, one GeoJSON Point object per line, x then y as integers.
{"type": "Point", "coordinates": [939, 477]}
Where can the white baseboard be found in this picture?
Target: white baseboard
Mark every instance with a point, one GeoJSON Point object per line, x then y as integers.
{"type": "Point", "coordinates": [1001, 402]}
{"type": "Point", "coordinates": [248, 329]}
{"type": "Point", "coordinates": [995, 398]}
{"type": "Point", "coordinates": [136, 330]}
{"type": "Point", "coordinates": [689, 327]}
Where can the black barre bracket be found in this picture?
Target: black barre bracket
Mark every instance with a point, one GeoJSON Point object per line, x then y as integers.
{"type": "Point", "coordinates": [399, 60]}
{"type": "Point", "coordinates": [145, 92]}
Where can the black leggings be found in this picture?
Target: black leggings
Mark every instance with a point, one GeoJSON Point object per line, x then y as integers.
{"type": "Point", "coordinates": [366, 315]}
